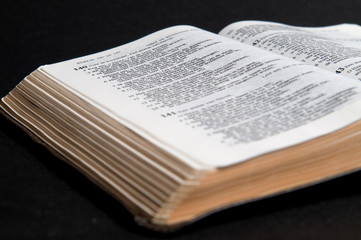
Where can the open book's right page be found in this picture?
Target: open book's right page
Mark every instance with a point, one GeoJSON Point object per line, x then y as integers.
{"type": "Point", "coordinates": [335, 48]}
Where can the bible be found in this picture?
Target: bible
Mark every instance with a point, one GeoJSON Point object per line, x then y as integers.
{"type": "Point", "coordinates": [184, 122]}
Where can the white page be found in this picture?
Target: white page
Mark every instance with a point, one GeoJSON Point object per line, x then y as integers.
{"type": "Point", "coordinates": [334, 48]}
{"type": "Point", "coordinates": [210, 100]}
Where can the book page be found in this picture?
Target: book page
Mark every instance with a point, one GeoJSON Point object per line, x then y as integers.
{"type": "Point", "coordinates": [209, 100]}
{"type": "Point", "coordinates": [335, 48]}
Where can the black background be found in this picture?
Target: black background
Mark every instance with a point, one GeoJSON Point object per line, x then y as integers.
{"type": "Point", "coordinates": [43, 198]}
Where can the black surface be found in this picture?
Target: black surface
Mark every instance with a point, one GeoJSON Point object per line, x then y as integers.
{"type": "Point", "coordinates": [43, 198]}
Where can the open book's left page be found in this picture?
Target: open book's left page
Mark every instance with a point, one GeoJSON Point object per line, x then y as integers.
{"type": "Point", "coordinates": [210, 100]}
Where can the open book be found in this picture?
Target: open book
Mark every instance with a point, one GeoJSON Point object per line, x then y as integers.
{"type": "Point", "coordinates": [184, 122]}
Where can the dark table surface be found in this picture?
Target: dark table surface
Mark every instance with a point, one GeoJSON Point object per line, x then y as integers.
{"type": "Point", "coordinates": [41, 197]}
